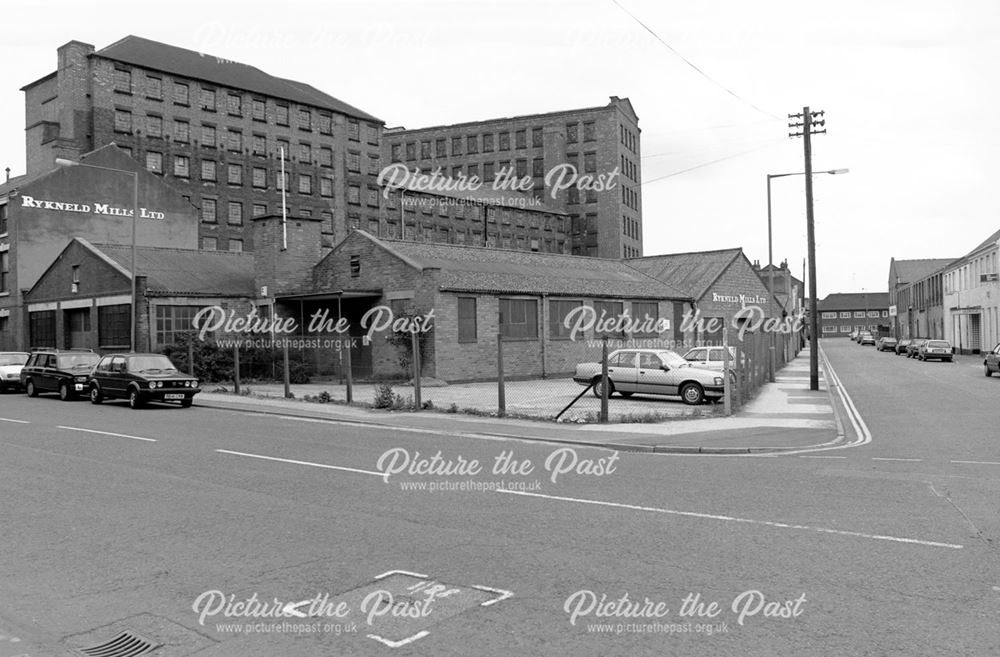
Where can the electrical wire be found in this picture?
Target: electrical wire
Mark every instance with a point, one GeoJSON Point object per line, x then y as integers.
{"type": "Point", "coordinates": [694, 66]}
{"type": "Point", "coordinates": [715, 161]}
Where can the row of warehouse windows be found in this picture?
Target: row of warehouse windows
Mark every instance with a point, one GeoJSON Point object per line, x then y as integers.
{"type": "Point", "coordinates": [519, 317]}
{"type": "Point", "coordinates": [234, 104]}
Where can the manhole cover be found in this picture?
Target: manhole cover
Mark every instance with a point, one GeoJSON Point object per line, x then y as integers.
{"type": "Point", "coordinates": [125, 644]}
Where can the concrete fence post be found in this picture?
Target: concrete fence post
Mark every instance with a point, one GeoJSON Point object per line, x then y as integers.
{"type": "Point", "coordinates": [501, 386]}
{"type": "Point", "coordinates": [236, 369]}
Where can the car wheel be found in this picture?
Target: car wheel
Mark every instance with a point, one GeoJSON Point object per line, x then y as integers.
{"type": "Point", "coordinates": [64, 392]}
{"type": "Point", "coordinates": [989, 372]}
{"type": "Point", "coordinates": [692, 394]}
{"type": "Point", "coordinates": [95, 395]}
{"type": "Point", "coordinates": [29, 388]}
{"type": "Point", "coordinates": [134, 399]}
{"type": "Point", "coordinates": [597, 387]}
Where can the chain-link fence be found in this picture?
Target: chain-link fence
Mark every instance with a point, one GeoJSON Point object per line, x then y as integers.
{"type": "Point", "coordinates": [646, 382]}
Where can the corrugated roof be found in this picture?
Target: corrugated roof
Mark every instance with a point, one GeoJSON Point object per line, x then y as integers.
{"type": "Point", "coordinates": [180, 61]}
{"type": "Point", "coordinates": [911, 271]}
{"type": "Point", "coordinates": [692, 273]}
{"type": "Point", "coordinates": [855, 301]}
{"type": "Point", "coordinates": [188, 271]}
{"type": "Point", "coordinates": [508, 271]}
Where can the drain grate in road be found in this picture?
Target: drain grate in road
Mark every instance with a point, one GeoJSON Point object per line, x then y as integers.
{"type": "Point", "coordinates": [125, 644]}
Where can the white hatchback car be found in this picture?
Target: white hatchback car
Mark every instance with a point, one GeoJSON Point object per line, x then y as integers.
{"type": "Point", "coordinates": [709, 358]}
{"type": "Point", "coordinates": [11, 363]}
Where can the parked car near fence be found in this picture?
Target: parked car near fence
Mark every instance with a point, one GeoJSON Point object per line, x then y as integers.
{"type": "Point", "coordinates": [141, 378]}
{"type": "Point", "coordinates": [866, 338]}
{"type": "Point", "coordinates": [902, 345]}
{"type": "Point", "coordinates": [935, 349]}
{"type": "Point", "coordinates": [654, 372]}
{"type": "Point", "coordinates": [709, 358]}
{"type": "Point", "coordinates": [992, 361]}
{"type": "Point", "coordinates": [11, 363]}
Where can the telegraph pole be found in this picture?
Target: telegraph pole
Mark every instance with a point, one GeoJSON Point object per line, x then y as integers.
{"type": "Point", "coordinates": [808, 124]}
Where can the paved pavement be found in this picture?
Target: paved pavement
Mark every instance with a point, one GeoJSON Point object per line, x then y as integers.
{"type": "Point", "coordinates": [785, 415]}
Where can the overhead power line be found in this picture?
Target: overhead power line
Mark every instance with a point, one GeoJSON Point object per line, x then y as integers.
{"type": "Point", "coordinates": [694, 66]}
{"type": "Point", "coordinates": [715, 161]}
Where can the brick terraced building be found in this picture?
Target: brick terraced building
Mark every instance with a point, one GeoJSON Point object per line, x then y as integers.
{"type": "Point", "coordinates": [596, 141]}
{"type": "Point", "coordinates": [212, 128]}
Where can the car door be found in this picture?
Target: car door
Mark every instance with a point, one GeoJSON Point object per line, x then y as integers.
{"type": "Point", "coordinates": [621, 371]}
{"type": "Point", "coordinates": [114, 379]}
{"type": "Point", "coordinates": [654, 377]}
{"type": "Point", "coordinates": [47, 375]}
{"type": "Point", "coordinates": [697, 357]}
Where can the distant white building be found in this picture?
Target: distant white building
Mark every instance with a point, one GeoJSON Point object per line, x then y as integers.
{"type": "Point", "coordinates": [972, 298]}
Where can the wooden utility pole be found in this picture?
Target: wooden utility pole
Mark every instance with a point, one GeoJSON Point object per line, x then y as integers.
{"type": "Point", "coordinates": [809, 125]}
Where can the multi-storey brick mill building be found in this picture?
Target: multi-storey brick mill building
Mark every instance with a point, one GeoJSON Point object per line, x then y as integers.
{"type": "Point", "coordinates": [603, 201]}
{"type": "Point", "coordinates": [214, 129]}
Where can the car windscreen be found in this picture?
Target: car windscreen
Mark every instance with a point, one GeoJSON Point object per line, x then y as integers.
{"type": "Point", "coordinates": [77, 361]}
{"type": "Point", "coordinates": [938, 344]}
{"type": "Point", "coordinates": [150, 364]}
{"type": "Point", "coordinates": [672, 358]}
{"type": "Point", "coordinates": [13, 359]}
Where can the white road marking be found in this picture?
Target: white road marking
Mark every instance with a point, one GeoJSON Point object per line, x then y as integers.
{"type": "Point", "coordinates": [711, 516]}
{"type": "Point", "coordinates": [853, 414]}
{"type": "Point", "coordinates": [402, 642]}
{"type": "Point", "coordinates": [293, 461]}
{"type": "Point", "coordinates": [108, 433]}
{"type": "Point", "coordinates": [979, 462]}
{"type": "Point", "coordinates": [400, 572]}
{"type": "Point", "coordinates": [886, 458]}
{"type": "Point", "coordinates": [7, 419]}
{"type": "Point", "coordinates": [503, 594]}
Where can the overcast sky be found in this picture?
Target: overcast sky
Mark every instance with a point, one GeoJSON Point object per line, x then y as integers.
{"type": "Point", "coordinates": [909, 89]}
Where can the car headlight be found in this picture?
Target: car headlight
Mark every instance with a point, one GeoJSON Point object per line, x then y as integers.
{"type": "Point", "coordinates": [154, 384]}
{"type": "Point", "coordinates": [718, 381]}
{"type": "Point", "coordinates": [194, 384]}
{"type": "Point", "coordinates": [80, 379]}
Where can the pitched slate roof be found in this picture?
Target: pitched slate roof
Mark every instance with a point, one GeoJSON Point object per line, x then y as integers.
{"type": "Point", "coordinates": [188, 63]}
{"type": "Point", "coordinates": [505, 271]}
{"type": "Point", "coordinates": [187, 272]}
{"type": "Point", "coordinates": [911, 271]}
{"type": "Point", "coordinates": [692, 273]}
{"type": "Point", "coordinates": [855, 301]}
{"type": "Point", "coordinates": [989, 241]}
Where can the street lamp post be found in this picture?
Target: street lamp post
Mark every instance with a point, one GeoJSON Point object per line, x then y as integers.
{"type": "Point", "coordinates": [135, 217]}
{"type": "Point", "coordinates": [770, 256]}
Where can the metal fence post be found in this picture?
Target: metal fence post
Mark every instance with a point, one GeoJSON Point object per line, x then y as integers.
{"type": "Point", "coordinates": [727, 385]}
{"type": "Point", "coordinates": [347, 370]}
{"type": "Point", "coordinates": [285, 370]}
{"type": "Point", "coordinates": [501, 391]}
{"type": "Point", "coordinates": [191, 355]}
{"type": "Point", "coordinates": [236, 369]}
{"type": "Point", "coordinates": [604, 380]}
{"type": "Point", "coordinates": [415, 341]}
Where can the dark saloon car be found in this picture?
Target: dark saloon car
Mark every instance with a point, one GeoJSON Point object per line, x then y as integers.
{"type": "Point", "coordinates": [53, 370]}
{"type": "Point", "coordinates": [141, 378]}
{"type": "Point", "coordinates": [902, 345]}
{"type": "Point", "coordinates": [886, 344]}
{"type": "Point", "coordinates": [914, 347]}
{"type": "Point", "coordinates": [992, 361]}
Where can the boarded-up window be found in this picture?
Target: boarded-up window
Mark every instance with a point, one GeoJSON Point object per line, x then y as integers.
{"type": "Point", "coordinates": [466, 319]}
{"type": "Point", "coordinates": [519, 319]}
